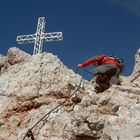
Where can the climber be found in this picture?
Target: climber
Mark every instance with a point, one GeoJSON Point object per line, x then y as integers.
{"type": "Point", "coordinates": [109, 66]}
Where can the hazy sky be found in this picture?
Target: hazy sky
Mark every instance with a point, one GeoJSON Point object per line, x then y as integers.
{"type": "Point", "coordinates": [90, 28]}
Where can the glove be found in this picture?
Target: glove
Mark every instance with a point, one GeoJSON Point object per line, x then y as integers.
{"type": "Point", "coordinates": [79, 65]}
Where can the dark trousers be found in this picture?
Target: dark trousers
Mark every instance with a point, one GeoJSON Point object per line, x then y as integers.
{"type": "Point", "coordinates": [112, 71]}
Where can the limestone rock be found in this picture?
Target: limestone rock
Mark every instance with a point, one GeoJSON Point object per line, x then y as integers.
{"type": "Point", "coordinates": [2, 61]}
{"type": "Point", "coordinates": [134, 78]}
{"type": "Point", "coordinates": [31, 86]}
{"type": "Point", "coordinates": [124, 123]}
{"type": "Point", "coordinates": [16, 56]}
{"type": "Point", "coordinates": [30, 89]}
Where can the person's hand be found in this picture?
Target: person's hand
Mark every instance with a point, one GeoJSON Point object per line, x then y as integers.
{"type": "Point", "coordinates": [79, 65]}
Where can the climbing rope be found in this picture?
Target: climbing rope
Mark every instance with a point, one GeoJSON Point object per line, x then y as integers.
{"type": "Point", "coordinates": [29, 133]}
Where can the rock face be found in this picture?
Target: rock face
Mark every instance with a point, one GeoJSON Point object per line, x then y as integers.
{"type": "Point", "coordinates": [31, 86]}
{"type": "Point", "coordinates": [14, 56]}
{"type": "Point", "coordinates": [135, 77]}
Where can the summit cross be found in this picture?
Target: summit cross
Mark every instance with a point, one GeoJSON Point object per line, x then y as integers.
{"type": "Point", "coordinates": [39, 37]}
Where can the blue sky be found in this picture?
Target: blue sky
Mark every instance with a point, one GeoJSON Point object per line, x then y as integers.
{"type": "Point", "coordinates": [90, 28]}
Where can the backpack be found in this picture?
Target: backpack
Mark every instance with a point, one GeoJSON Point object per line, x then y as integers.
{"type": "Point", "coordinates": [119, 62]}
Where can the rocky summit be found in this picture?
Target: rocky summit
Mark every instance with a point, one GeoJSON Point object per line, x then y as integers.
{"type": "Point", "coordinates": [31, 86]}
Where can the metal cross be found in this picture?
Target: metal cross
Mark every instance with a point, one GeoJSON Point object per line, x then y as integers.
{"type": "Point", "coordinates": [39, 37]}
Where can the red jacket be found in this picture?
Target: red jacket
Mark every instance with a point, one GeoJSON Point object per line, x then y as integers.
{"type": "Point", "coordinates": [103, 59]}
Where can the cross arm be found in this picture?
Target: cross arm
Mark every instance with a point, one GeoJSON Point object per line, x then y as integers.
{"type": "Point", "coordinates": [54, 36]}
{"type": "Point", "coordinates": [26, 39]}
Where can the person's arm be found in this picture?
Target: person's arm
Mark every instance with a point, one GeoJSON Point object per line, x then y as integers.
{"type": "Point", "coordinates": [91, 61]}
